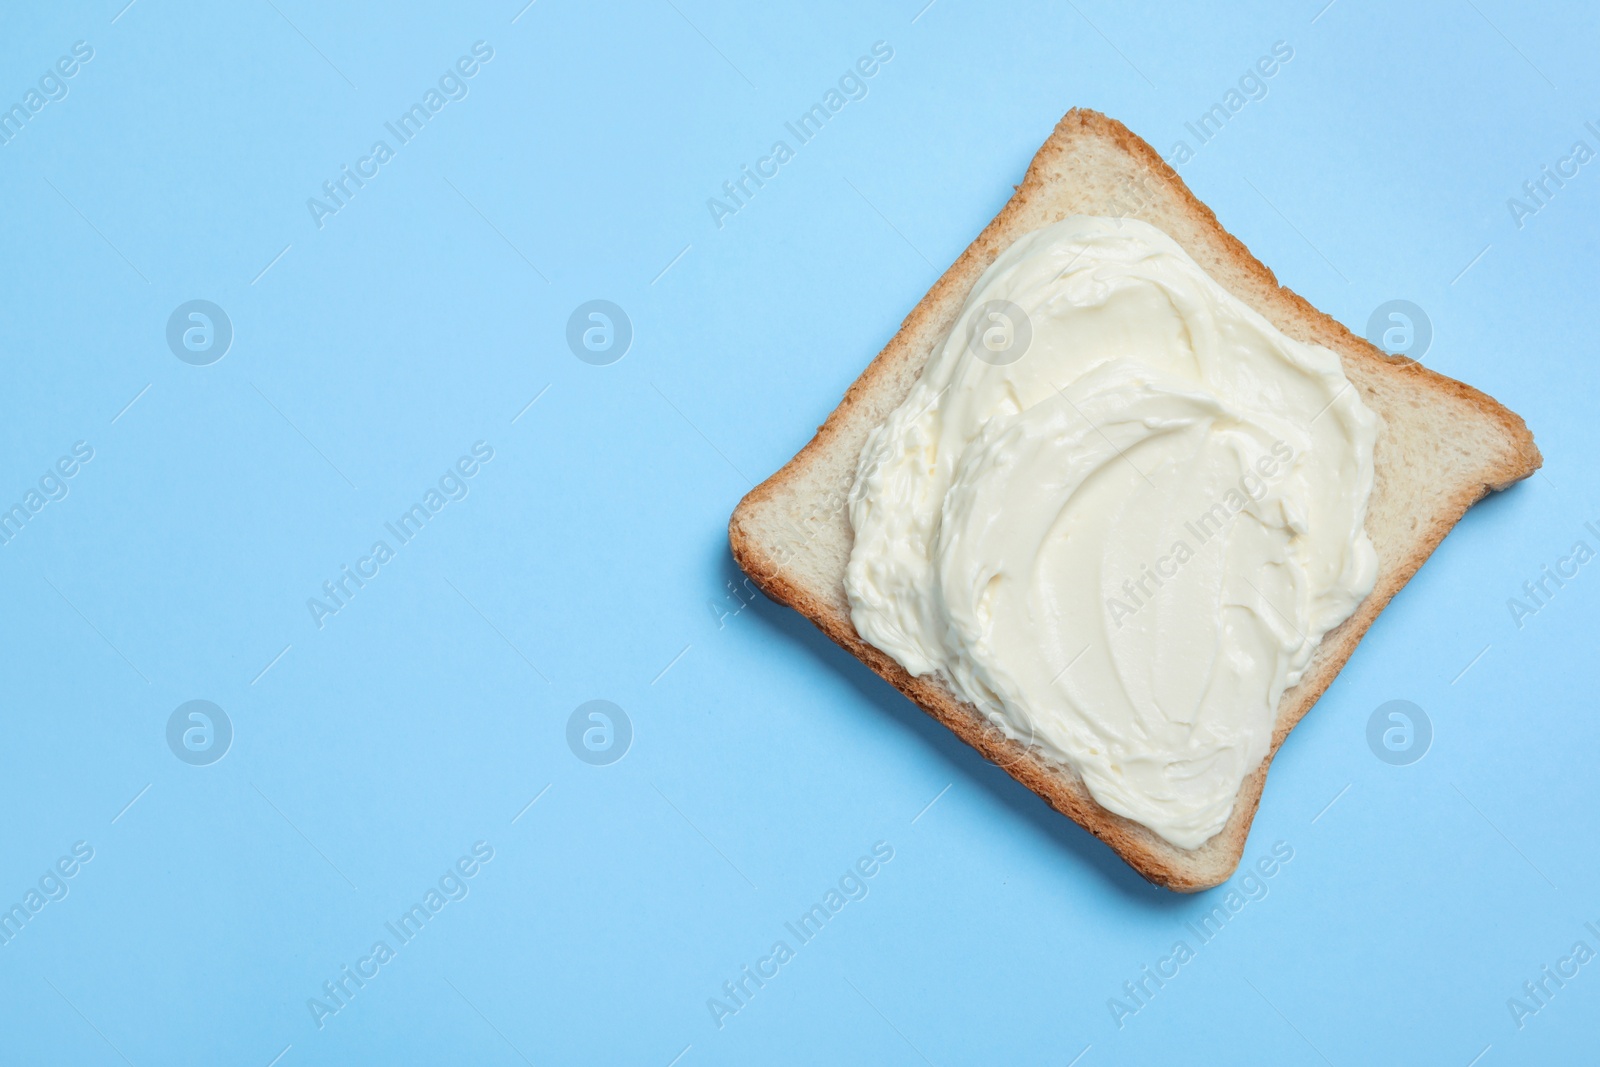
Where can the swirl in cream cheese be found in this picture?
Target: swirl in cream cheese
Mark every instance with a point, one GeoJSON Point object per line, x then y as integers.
{"type": "Point", "coordinates": [1123, 541]}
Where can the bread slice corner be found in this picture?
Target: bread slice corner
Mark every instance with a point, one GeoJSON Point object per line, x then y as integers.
{"type": "Point", "coordinates": [1442, 446]}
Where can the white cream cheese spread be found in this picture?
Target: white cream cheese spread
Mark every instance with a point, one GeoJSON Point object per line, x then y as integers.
{"type": "Point", "coordinates": [1117, 513]}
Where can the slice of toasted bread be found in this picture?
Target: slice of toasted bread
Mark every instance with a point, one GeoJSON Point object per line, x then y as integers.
{"type": "Point", "coordinates": [1441, 447]}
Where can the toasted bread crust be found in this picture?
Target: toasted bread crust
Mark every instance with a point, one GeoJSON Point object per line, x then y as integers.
{"type": "Point", "coordinates": [1500, 462]}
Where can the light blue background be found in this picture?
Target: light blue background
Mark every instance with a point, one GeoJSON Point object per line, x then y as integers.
{"type": "Point", "coordinates": [592, 551]}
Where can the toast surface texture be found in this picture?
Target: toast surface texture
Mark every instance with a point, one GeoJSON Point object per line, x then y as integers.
{"type": "Point", "coordinates": [1441, 447]}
